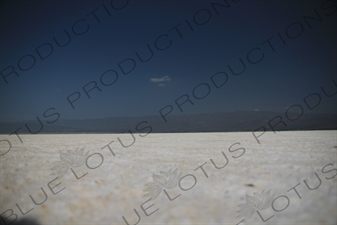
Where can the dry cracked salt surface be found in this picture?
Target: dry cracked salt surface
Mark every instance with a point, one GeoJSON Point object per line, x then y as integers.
{"type": "Point", "coordinates": [287, 163]}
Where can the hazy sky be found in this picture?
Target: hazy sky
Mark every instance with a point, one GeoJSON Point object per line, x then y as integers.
{"type": "Point", "coordinates": [201, 39]}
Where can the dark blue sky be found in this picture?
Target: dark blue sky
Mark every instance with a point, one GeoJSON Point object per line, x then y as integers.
{"type": "Point", "coordinates": [118, 29]}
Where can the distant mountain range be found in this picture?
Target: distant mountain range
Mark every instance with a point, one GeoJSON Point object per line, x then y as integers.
{"type": "Point", "coordinates": [208, 122]}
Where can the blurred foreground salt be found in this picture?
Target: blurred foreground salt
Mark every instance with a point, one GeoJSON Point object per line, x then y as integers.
{"type": "Point", "coordinates": [115, 188]}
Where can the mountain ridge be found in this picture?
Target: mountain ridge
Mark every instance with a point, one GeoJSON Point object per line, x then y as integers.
{"type": "Point", "coordinates": [202, 122]}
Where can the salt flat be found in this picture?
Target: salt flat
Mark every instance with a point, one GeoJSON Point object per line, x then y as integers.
{"type": "Point", "coordinates": [284, 163]}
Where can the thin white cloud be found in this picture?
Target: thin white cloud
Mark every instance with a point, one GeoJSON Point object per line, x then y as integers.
{"type": "Point", "coordinates": [161, 85]}
{"type": "Point", "coordinates": [162, 79]}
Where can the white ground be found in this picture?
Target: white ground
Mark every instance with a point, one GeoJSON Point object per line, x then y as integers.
{"type": "Point", "coordinates": [114, 189]}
